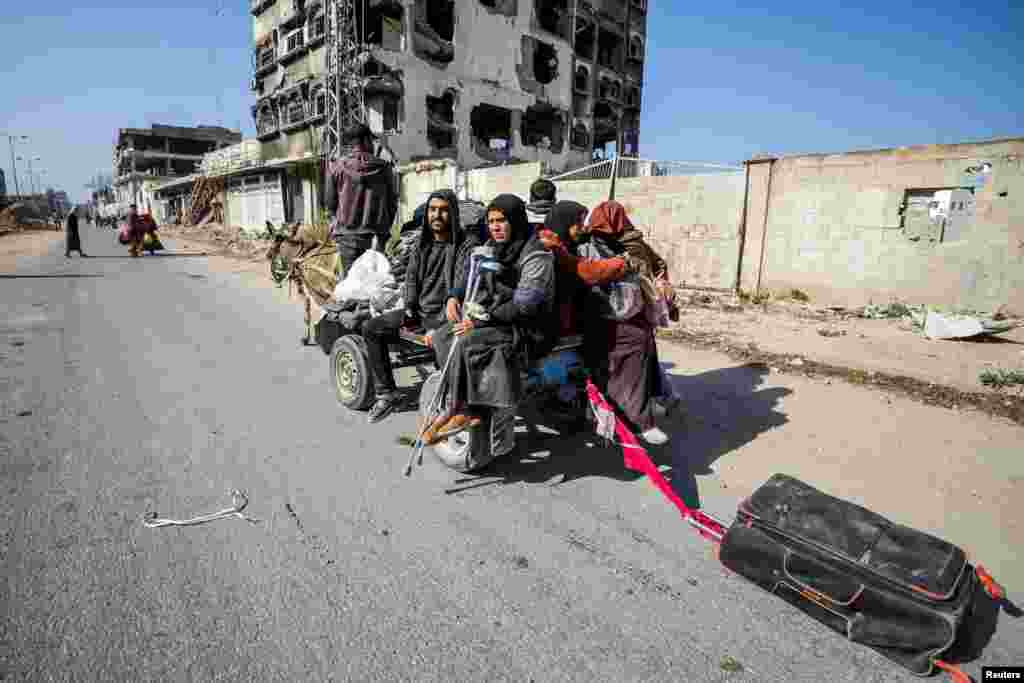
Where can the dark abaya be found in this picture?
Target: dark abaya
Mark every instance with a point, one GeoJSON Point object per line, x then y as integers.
{"type": "Point", "coordinates": [73, 239]}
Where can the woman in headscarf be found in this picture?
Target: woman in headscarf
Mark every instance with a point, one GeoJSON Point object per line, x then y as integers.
{"type": "Point", "coordinates": [564, 230]}
{"type": "Point", "coordinates": [511, 312]}
{"type": "Point", "coordinates": [623, 354]}
{"type": "Point", "coordinates": [73, 240]}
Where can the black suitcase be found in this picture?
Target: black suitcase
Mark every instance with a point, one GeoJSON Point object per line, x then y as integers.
{"type": "Point", "coordinates": [899, 591]}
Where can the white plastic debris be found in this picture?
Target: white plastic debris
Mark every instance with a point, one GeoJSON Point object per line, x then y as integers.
{"type": "Point", "coordinates": [944, 327]}
{"type": "Point", "coordinates": [369, 277]}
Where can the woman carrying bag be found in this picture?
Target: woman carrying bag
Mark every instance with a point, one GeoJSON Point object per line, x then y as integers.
{"type": "Point", "coordinates": [620, 342]}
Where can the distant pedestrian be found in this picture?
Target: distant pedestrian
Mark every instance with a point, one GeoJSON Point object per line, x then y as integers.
{"type": "Point", "coordinates": [361, 193]}
{"type": "Point", "coordinates": [136, 232]}
{"type": "Point", "coordinates": [73, 241]}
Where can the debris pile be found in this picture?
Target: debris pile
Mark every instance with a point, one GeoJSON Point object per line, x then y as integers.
{"type": "Point", "coordinates": [23, 216]}
{"type": "Point", "coordinates": [225, 240]}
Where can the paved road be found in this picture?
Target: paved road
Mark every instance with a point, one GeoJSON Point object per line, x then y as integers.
{"type": "Point", "coordinates": [161, 386]}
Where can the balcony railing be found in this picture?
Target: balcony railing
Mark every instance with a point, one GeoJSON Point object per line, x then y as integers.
{"type": "Point", "coordinates": [266, 125]}
{"type": "Point", "coordinates": [316, 30]}
{"type": "Point", "coordinates": [265, 62]}
{"type": "Point", "coordinates": [293, 115]}
{"type": "Point", "coordinates": [294, 44]}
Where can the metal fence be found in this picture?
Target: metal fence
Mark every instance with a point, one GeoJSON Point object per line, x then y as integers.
{"type": "Point", "coordinates": [631, 167]}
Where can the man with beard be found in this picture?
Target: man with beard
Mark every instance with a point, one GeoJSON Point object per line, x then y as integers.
{"type": "Point", "coordinates": [512, 311]}
{"type": "Point", "coordinates": [429, 277]}
{"type": "Point", "coordinates": [360, 192]}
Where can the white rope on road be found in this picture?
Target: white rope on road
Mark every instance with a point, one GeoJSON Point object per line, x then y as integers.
{"type": "Point", "coordinates": [238, 499]}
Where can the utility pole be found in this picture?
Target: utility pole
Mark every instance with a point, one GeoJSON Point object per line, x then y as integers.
{"type": "Point", "coordinates": [14, 166]}
{"type": "Point", "coordinates": [31, 178]}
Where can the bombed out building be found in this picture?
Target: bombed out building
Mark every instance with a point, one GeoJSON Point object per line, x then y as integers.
{"type": "Point", "coordinates": [143, 157]}
{"type": "Point", "coordinates": [476, 81]}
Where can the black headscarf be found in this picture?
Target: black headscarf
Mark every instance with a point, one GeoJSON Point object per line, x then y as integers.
{"type": "Point", "coordinates": [564, 215]}
{"type": "Point", "coordinates": [514, 210]}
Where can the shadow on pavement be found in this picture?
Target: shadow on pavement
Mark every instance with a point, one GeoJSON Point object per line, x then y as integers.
{"type": "Point", "coordinates": [7, 276]}
{"type": "Point", "coordinates": [162, 255]}
{"type": "Point", "coordinates": [724, 410]}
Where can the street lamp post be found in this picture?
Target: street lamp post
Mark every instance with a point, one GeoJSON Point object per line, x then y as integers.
{"type": "Point", "coordinates": [31, 177]}
{"type": "Point", "coordinates": [14, 167]}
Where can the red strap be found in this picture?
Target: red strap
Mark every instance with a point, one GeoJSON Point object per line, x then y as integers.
{"type": "Point", "coordinates": [954, 672]}
{"type": "Point", "coordinates": [635, 458]}
{"type": "Point", "coordinates": [990, 585]}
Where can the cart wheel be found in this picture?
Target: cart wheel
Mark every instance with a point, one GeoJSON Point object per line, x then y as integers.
{"type": "Point", "coordinates": [466, 451]}
{"type": "Point", "coordinates": [350, 373]}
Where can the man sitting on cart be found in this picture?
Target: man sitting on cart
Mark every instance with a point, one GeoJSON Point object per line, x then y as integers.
{"type": "Point", "coordinates": [429, 277]}
{"type": "Point", "coordinates": [508, 310]}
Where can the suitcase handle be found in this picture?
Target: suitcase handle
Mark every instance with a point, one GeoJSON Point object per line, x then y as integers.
{"type": "Point", "coordinates": [954, 672]}
{"type": "Point", "coordinates": [991, 586]}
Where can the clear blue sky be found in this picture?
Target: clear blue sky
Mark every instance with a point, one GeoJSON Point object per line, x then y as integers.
{"type": "Point", "coordinates": [721, 84]}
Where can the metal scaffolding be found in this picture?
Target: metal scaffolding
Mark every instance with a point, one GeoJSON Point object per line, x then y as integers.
{"type": "Point", "coordinates": [344, 81]}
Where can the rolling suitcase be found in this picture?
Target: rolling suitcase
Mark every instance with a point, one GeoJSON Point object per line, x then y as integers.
{"type": "Point", "coordinates": [896, 590]}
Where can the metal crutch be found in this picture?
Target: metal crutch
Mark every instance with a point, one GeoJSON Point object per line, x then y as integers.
{"type": "Point", "coordinates": [437, 401]}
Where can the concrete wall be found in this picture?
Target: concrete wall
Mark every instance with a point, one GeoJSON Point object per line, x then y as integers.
{"type": "Point", "coordinates": [834, 227]}
{"type": "Point", "coordinates": [417, 181]}
{"type": "Point", "coordinates": [834, 223]}
{"type": "Point", "coordinates": [484, 184]}
{"type": "Point", "coordinates": [692, 221]}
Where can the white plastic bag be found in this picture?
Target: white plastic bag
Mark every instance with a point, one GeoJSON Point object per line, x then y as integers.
{"type": "Point", "coordinates": [369, 276]}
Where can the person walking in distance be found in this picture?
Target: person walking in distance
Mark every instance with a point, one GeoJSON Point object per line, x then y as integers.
{"type": "Point", "coordinates": [361, 194]}
{"type": "Point", "coordinates": [72, 240]}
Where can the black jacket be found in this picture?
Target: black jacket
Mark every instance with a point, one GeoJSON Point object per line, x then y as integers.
{"type": "Point", "coordinates": [415, 267]}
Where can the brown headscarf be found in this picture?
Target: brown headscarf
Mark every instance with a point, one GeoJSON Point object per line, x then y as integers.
{"type": "Point", "coordinates": [609, 218]}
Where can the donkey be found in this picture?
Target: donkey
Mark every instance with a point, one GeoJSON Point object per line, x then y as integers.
{"type": "Point", "coordinates": [290, 259]}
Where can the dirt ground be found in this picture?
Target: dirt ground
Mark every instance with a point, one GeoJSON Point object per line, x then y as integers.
{"type": "Point", "coordinates": [883, 346]}
{"type": "Point", "coordinates": [25, 243]}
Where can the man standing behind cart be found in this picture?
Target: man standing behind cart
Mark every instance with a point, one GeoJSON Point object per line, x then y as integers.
{"type": "Point", "coordinates": [429, 278]}
{"type": "Point", "coordinates": [361, 194]}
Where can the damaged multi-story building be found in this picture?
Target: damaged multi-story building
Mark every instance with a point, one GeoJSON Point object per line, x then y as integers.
{"type": "Point", "coordinates": [145, 157]}
{"type": "Point", "coordinates": [476, 81]}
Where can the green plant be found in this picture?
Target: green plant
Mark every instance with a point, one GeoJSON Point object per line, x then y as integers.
{"type": "Point", "coordinates": [799, 295]}
{"type": "Point", "coordinates": [1001, 379]}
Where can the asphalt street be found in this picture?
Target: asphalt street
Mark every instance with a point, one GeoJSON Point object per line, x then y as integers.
{"type": "Point", "coordinates": [158, 385]}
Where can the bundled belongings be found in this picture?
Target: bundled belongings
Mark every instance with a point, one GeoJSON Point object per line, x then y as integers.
{"type": "Point", "coordinates": [899, 591]}
{"type": "Point", "coordinates": [408, 239]}
{"type": "Point", "coordinates": [152, 243]}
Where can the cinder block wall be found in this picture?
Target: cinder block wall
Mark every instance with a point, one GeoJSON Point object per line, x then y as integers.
{"type": "Point", "coordinates": [692, 221]}
{"type": "Point", "coordinates": [485, 184]}
{"type": "Point", "coordinates": [834, 227]}
{"type": "Point", "coordinates": [833, 222]}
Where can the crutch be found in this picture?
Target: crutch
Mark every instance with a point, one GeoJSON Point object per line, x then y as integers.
{"type": "Point", "coordinates": [437, 400]}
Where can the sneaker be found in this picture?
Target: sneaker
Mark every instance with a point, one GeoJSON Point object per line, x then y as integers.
{"type": "Point", "coordinates": [655, 437]}
{"type": "Point", "coordinates": [384, 406]}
